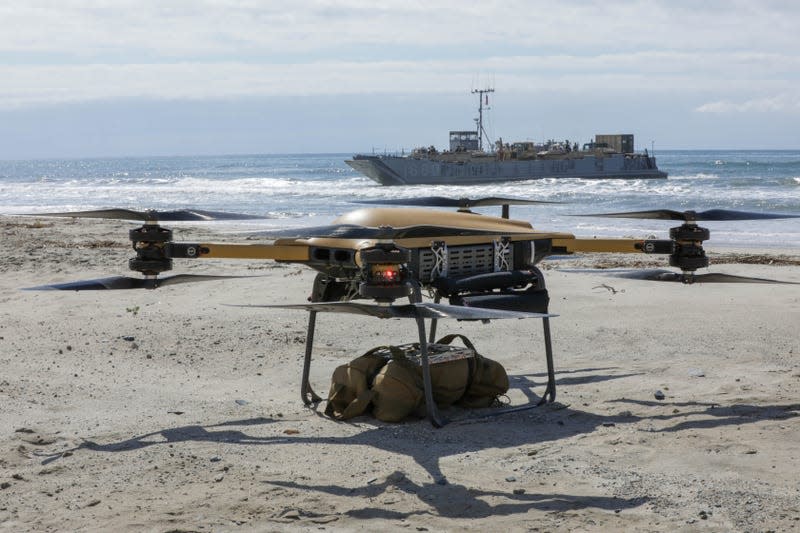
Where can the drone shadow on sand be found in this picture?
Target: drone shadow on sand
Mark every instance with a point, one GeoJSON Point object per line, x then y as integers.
{"type": "Point", "coordinates": [427, 446]}
{"type": "Point", "coordinates": [220, 433]}
{"type": "Point", "coordinates": [464, 502]}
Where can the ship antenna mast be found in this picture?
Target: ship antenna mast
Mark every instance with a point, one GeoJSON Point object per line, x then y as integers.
{"type": "Point", "coordinates": [481, 131]}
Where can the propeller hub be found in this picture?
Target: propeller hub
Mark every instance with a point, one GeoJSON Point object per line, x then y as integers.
{"type": "Point", "coordinates": [688, 253]}
{"type": "Point", "coordinates": [150, 242]}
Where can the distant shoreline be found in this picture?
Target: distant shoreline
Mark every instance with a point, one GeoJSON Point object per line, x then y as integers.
{"type": "Point", "coordinates": [344, 154]}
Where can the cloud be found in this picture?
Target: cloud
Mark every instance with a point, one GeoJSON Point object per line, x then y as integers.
{"type": "Point", "coordinates": [188, 30]}
{"type": "Point", "coordinates": [35, 85]}
{"type": "Point", "coordinates": [91, 50]}
{"type": "Point", "coordinates": [782, 103]}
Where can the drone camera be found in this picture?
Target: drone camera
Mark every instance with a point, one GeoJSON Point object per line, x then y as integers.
{"type": "Point", "coordinates": [385, 275]}
{"type": "Point", "coordinates": [332, 255]}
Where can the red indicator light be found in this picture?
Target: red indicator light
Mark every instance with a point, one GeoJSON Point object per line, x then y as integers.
{"type": "Point", "coordinates": [387, 274]}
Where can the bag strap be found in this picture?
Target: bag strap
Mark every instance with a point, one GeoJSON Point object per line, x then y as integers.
{"type": "Point", "coordinates": [447, 339]}
{"type": "Point", "coordinates": [376, 349]}
{"type": "Point", "coordinates": [355, 408]}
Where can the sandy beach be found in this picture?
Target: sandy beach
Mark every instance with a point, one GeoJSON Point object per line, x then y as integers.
{"type": "Point", "coordinates": [168, 410]}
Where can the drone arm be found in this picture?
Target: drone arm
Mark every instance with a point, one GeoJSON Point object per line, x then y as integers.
{"type": "Point", "coordinates": [631, 246]}
{"type": "Point", "coordinates": [277, 252]}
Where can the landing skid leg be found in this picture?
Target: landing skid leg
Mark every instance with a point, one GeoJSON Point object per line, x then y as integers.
{"type": "Point", "coordinates": [430, 405]}
{"type": "Point", "coordinates": [432, 336]}
{"type": "Point", "coordinates": [549, 395]}
{"type": "Point", "coordinates": [434, 322]}
{"type": "Point", "coordinates": [306, 392]}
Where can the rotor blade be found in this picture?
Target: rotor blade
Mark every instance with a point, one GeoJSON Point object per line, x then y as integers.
{"type": "Point", "coordinates": [127, 282]}
{"type": "Point", "coordinates": [640, 274]}
{"type": "Point", "coordinates": [112, 283]}
{"type": "Point", "coordinates": [420, 310]}
{"type": "Point", "coordinates": [153, 215]}
{"type": "Point", "coordinates": [340, 231]}
{"type": "Point", "coordinates": [731, 278]}
{"type": "Point", "coordinates": [429, 310]}
{"type": "Point", "coordinates": [352, 231]}
{"type": "Point", "coordinates": [441, 201]}
{"type": "Point", "coordinates": [669, 275]}
{"type": "Point", "coordinates": [690, 216]}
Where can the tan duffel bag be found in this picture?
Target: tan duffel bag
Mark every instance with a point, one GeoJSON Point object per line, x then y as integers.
{"type": "Point", "coordinates": [389, 379]}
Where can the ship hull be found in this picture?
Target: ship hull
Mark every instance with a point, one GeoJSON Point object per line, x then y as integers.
{"type": "Point", "coordinates": [396, 170]}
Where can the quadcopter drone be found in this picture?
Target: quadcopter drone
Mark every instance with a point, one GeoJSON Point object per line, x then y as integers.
{"type": "Point", "coordinates": [484, 266]}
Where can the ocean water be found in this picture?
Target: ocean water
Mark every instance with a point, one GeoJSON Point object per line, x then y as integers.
{"type": "Point", "coordinates": [312, 189]}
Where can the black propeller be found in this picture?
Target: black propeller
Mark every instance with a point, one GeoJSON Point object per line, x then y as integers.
{"type": "Point", "coordinates": [353, 231]}
{"type": "Point", "coordinates": [669, 275]}
{"type": "Point", "coordinates": [461, 203]}
{"type": "Point", "coordinates": [126, 282]}
{"type": "Point", "coordinates": [417, 310]}
{"type": "Point", "coordinates": [153, 215]}
{"type": "Point", "coordinates": [694, 216]}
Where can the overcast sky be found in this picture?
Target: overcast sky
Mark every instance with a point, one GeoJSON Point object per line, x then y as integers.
{"type": "Point", "coordinates": [102, 78]}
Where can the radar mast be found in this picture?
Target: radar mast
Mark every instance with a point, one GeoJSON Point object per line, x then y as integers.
{"type": "Point", "coordinates": [481, 131]}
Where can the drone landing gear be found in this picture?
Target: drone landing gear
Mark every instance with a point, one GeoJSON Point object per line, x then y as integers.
{"type": "Point", "coordinates": [306, 392]}
{"type": "Point", "coordinates": [549, 395]}
{"type": "Point", "coordinates": [310, 398]}
{"type": "Point", "coordinates": [430, 405]}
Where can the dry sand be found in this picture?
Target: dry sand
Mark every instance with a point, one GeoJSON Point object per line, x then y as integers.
{"type": "Point", "coordinates": [168, 411]}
